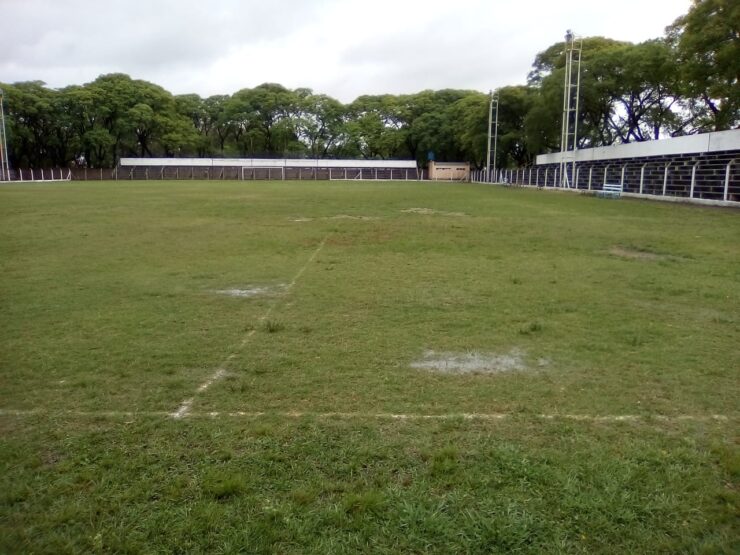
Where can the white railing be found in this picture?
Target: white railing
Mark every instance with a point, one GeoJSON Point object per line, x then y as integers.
{"type": "Point", "coordinates": [39, 175]}
{"type": "Point", "coordinates": [725, 193]}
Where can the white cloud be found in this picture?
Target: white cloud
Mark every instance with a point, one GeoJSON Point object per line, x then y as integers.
{"type": "Point", "coordinates": [343, 48]}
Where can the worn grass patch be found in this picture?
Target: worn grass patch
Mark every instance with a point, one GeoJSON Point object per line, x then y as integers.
{"type": "Point", "coordinates": [471, 363]}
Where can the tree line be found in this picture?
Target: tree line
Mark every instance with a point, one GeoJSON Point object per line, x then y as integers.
{"type": "Point", "coordinates": [684, 82]}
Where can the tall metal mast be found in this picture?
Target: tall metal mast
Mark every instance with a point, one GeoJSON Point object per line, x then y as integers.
{"type": "Point", "coordinates": [490, 122]}
{"type": "Point", "coordinates": [492, 134]}
{"type": "Point", "coordinates": [571, 96]}
{"type": "Point", "coordinates": [4, 161]}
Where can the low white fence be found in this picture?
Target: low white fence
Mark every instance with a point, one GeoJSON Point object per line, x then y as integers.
{"type": "Point", "coordinates": [39, 175]}
{"type": "Point", "coordinates": [711, 182]}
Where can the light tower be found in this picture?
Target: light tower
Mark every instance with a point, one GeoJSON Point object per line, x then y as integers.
{"type": "Point", "coordinates": [4, 161]}
{"type": "Point", "coordinates": [492, 134]}
{"type": "Point", "coordinates": [571, 95]}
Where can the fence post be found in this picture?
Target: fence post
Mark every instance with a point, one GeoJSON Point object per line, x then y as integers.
{"type": "Point", "coordinates": [606, 169]}
{"type": "Point", "coordinates": [621, 178]}
{"type": "Point", "coordinates": [693, 179]}
{"type": "Point", "coordinates": [642, 176]}
{"type": "Point", "coordinates": [575, 179]}
{"type": "Point", "coordinates": [537, 178]}
{"type": "Point", "coordinates": [726, 195]}
{"type": "Point", "coordinates": [590, 175]}
{"type": "Point", "coordinates": [665, 177]}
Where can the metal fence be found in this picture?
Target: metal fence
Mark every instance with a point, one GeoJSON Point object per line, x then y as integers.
{"type": "Point", "coordinates": [713, 179]}
{"type": "Point", "coordinates": [217, 173]}
{"type": "Point", "coordinates": [38, 175]}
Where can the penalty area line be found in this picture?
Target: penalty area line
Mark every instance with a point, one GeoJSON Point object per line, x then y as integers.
{"type": "Point", "coordinates": [293, 415]}
{"type": "Point", "coordinates": [186, 405]}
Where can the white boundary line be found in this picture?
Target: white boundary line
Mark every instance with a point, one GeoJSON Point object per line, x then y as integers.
{"type": "Point", "coordinates": [636, 418]}
{"type": "Point", "coordinates": [221, 372]}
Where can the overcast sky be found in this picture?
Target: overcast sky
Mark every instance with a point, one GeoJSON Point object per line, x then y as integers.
{"type": "Point", "coordinates": [343, 48]}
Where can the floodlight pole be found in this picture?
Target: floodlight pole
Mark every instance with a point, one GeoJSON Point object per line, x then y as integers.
{"type": "Point", "coordinates": [569, 136]}
{"type": "Point", "coordinates": [490, 122]}
{"type": "Point", "coordinates": [4, 161]}
{"type": "Point", "coordinates": [492, 133]}
{"type": "Point", "coordinates": [495, 137]}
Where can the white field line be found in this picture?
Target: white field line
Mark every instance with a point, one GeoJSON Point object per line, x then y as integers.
{"type": "Point", "coordinates": [382, 415]}
{"type": "Point", "coordinates": [220, 372]}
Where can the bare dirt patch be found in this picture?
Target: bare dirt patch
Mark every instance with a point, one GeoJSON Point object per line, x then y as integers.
{"type": "Point", "coordinates": [337, 217]}
{"type": "Point", "coordinates": [472, 362]}
{"type": "Point", "coordinates": [253, 291]}
{"type": "Point", "coordinates": [433, 212]}
{"type": "Point", "coordinates": [348, 217]}
{"type": "Point", "coordinates": [635, 254]}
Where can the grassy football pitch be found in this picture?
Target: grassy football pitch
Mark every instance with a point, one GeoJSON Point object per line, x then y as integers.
{"type": "Point", "coordinates": [326, 367]}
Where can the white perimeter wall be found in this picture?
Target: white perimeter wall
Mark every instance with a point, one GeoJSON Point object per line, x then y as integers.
{"type": "Point", "coordinates": [268, 163]}
{"type": "Point", "coordinates": [706, 142]}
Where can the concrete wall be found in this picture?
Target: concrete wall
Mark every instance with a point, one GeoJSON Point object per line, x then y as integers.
{"type": "Point", "coordinates": [265, 163]}
{"type": "Point", "coordinates": [665, 176]}
{"type": "Point", "coordinates": [698, 167]}
{"type": "Point", "coordinates": [719, 141]}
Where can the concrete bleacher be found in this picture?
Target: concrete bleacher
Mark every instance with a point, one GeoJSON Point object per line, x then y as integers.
{"type": "Point", "coordinates": [703, 167]}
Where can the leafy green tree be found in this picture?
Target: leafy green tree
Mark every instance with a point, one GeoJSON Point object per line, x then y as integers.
{"type": "Point", "coordinates": [707, 41]}
{"type": "Point", "coordinates": [377, 126]}
{"type": "Point", "coordinates": [598, 89]}
{"type": "Point", "coordinates": [514, 105]}
{"type": "Point", "coordinates": [640, 84]}
{"type": "Point", "coordinates": [221, 127]}
{"type": "Point", "coordinates": [262, 119]}
{"type": "Point", "coordinates": [31, 123]}
{"type": "Point", "coordinates": [469, 124]}
{"type": "Point", "coordinates": [427, 116]}
{"type": "Point", "coordinates": [82, 105]}
{"type": "Point", "coordinates": [320, 124]}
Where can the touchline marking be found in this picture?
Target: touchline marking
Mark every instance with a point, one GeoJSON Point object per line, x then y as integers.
{"type": "Point", "coordinates": [635, 418]}
{"type": "Point", "coordinates": [184, 409]}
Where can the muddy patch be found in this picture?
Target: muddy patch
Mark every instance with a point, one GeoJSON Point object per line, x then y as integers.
{"type": "Point", "coordinates": [473, 362]}
{"type": "Point", "coordinates": [253, 291]}
{"type": "Point", "coordinates": [432, 212]}
{"type": "Point", "coordinates": [635, 254]}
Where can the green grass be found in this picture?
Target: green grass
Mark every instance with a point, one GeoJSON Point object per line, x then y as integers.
{"type": "Point", "coordinates": [111, 318]}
